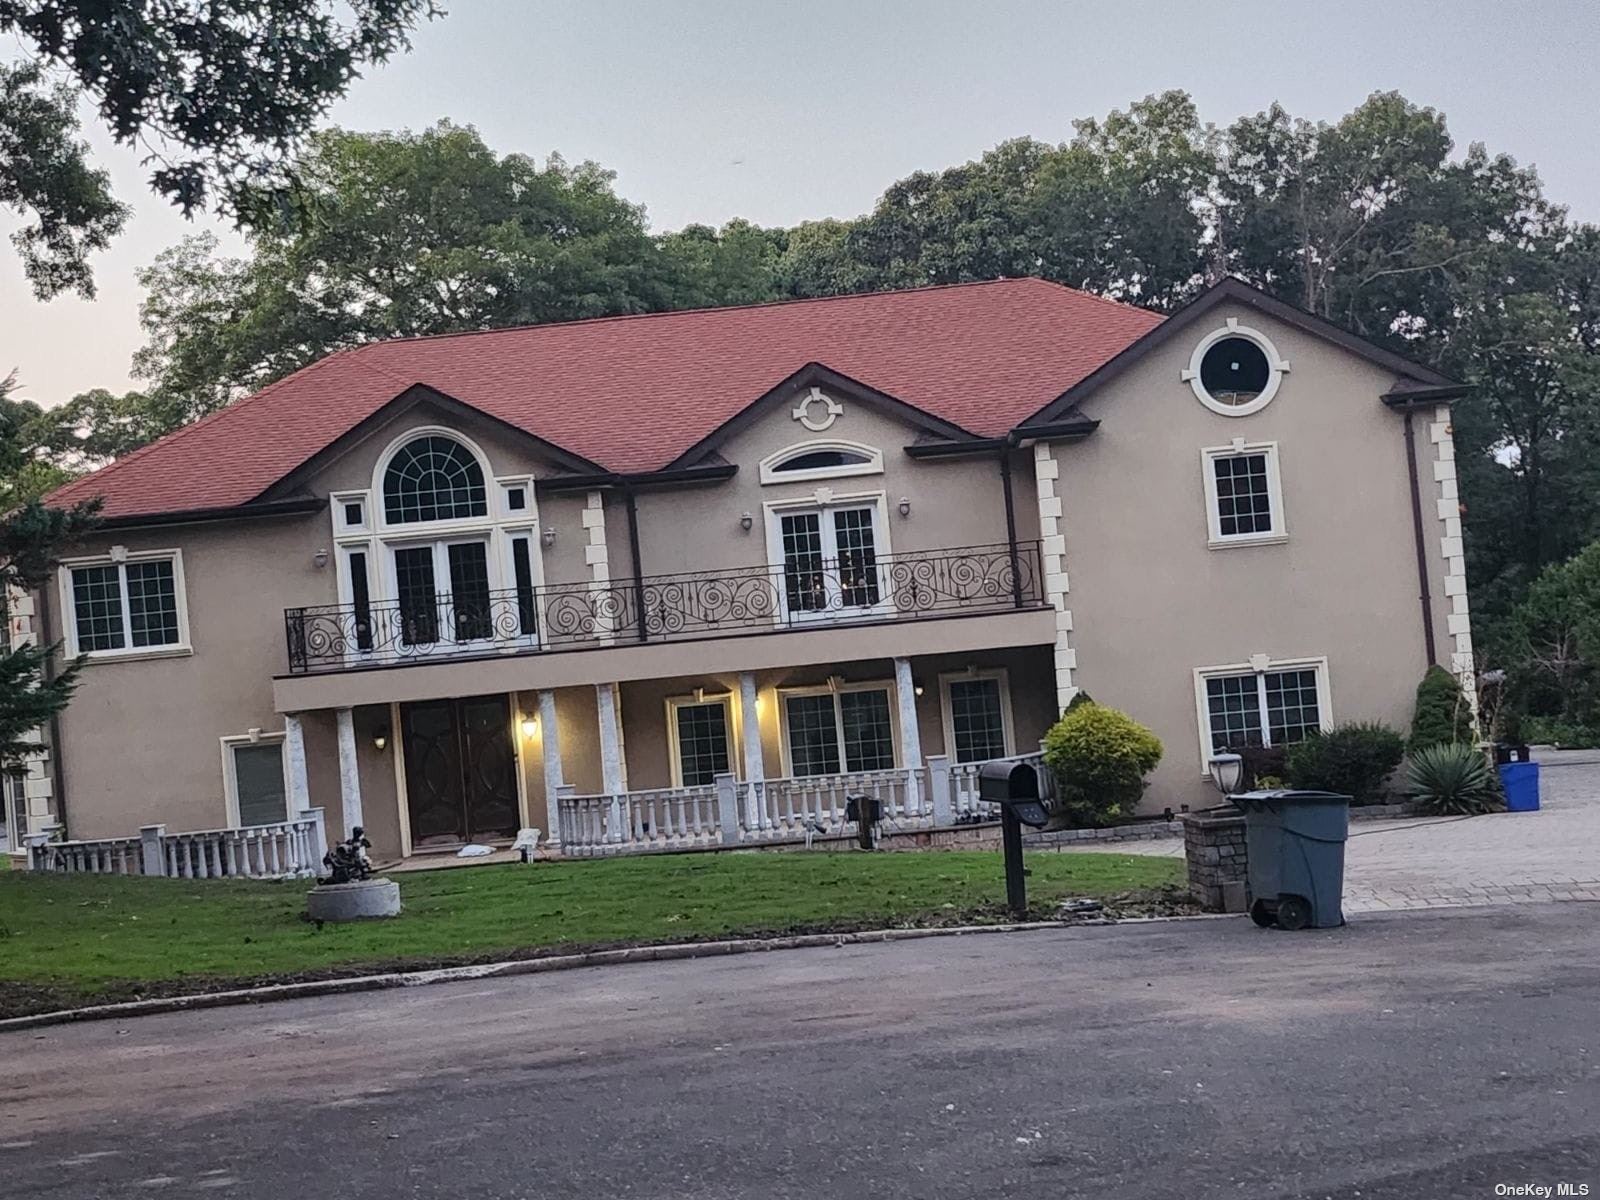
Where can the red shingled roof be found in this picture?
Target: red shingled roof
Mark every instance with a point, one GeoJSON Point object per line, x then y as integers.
{"type": "Point", "coordinates": [633, 393]}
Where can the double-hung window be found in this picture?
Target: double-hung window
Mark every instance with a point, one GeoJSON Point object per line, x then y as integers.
{"type": "Point", "coordinates": [828, 732]}
{"type": "Point", "coordinates": [702, 742]}
{"type": "Point", "coordinates": [256, 782]}
{"type": "Point", "coordinates": [1276, 706]}
{"type": "Point", "coordinates": [127, 604]}
{"type": "Point", "coordinates": [829, 559]}
{"type": "Point", "coordinates": [977, 717]}
{"type": "Point", "coordinates": [1244, 497]}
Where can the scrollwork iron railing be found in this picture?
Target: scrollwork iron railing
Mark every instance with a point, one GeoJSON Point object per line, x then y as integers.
{"type": "Point", "coordinates": [685, 606]}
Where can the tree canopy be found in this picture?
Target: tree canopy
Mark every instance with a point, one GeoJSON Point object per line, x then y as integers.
{"type": "Point", "coordinates": [218, 93]}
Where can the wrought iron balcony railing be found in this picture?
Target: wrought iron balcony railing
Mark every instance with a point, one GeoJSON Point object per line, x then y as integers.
{"type": "Point", "coordinates": [702, 604]}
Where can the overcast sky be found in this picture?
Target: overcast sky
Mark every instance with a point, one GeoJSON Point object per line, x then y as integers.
{"type": "Point", "coordinates": [711, 109]}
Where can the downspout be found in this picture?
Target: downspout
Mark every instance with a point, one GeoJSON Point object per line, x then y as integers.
{"type": "Point", "coordinates": [57, 777]}
{"type": "Point", "coordinates": [1011, 524]}
{"type": "Point", "coordinates": [1419, 539]}
{"type": "Point", "coordinates": [633, 548]}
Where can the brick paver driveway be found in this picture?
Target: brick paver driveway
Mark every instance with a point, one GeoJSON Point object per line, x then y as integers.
{"type": "Point", "coordinates": [1553, 854]}
{"type": "Point", "coordinates": [1503, 858]}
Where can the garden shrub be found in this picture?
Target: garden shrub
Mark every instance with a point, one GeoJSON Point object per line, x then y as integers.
{"type": "Point", "coordinates": [1552, 731]}
{"type": "Point", "coordinates": [1452, 777]}
{"type": "Point", "coordinates": [1264, 766]}
{"type": "Point", "coordinates": [1099, 757]}
{"type": "Point", "coordinates": [1353, 760]}
{"type": "Point", "coordinates": [1442, 713]}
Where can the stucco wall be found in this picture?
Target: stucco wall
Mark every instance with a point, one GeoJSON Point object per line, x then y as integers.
{"type": "Point", "coordinates": [1152, 602]}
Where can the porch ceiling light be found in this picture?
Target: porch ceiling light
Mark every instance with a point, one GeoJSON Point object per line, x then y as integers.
{"type": "Point", "coordinates": [1227, 772]}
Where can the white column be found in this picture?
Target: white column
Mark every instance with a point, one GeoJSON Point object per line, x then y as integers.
{"type": "Point", "coordinates": [349, 772]}
{"type": "Point", "coordinates": [294, 748]}
{"type": "Point", "coordinates": [550, 755]}
{"type": "Point", "coordinates": [910, 736]}
{"type": "Point", "coordinates": [755, 769]}
{"type": "Point", "coordinates": [605, 698]}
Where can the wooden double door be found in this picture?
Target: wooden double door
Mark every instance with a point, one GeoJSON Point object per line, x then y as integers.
{"type": "Point", "coordinates": [461, 770]}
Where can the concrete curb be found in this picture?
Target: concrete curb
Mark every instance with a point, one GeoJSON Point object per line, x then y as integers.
{"type": "Point", "coordinates": [669, 952]}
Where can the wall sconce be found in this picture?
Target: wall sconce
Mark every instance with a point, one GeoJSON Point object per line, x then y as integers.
{"type": "Point", "coordinates": [530, 726]}
{"type": "Point", "coordinates": [917, 688]}
{"type": "Point", "coordinates": [746, 521]}
{"type": "Point", "coordinates": [548, 537]}
{"type": "Point", "coordinates": [380, 740]}
{"type": "Point", "coordinates": [1227, 771]}
{"type": "Point", "coordinates": [905, 506]}
{"type": "Point", "coordinates": [320, 559]}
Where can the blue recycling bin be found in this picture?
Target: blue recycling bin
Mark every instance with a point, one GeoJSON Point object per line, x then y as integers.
{"type": "Point", "coordinates": [1521, 783]}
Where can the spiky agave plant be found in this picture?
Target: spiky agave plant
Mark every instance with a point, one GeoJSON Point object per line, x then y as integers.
{"type": "Point", "coordinates": [1452, 777]}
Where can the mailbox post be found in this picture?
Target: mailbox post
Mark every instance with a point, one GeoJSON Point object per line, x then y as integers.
{"type": "Point", "coordinates": [1015, 788]}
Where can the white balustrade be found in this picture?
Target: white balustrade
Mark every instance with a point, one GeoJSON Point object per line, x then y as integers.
{"type": "Point", "coordinates": [283, 850]}
{"type": "Point", "coordinates": [630, 822]}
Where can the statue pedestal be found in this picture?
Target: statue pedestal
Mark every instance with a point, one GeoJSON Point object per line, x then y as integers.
{"type": "Point", "coordinates": [357, 901]}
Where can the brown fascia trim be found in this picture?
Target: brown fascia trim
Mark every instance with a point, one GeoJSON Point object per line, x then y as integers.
{"type": "Point", "coordinates": [198, 516]}
{"type": "Point", "coordinates": [1062, 431]}
{"type": "Point", "coordinates": [679, 477]}
{"type": "Point", "coordinates": [1424, 397]}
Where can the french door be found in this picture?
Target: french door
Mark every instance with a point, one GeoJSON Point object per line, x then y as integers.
{"type": "Point", "coordinates": [830, 561]}
{"type": "Point", "coordinates": [460, 770]}
{"type": "Point", "coordinates": [443, 593]}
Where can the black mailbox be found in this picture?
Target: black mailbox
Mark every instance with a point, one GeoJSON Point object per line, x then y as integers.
{"type": "Point", "coordinates": [1015, 786]}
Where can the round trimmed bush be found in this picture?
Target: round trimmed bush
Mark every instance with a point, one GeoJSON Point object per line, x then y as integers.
{"type": "Point", "coordinates": [1099, 757]}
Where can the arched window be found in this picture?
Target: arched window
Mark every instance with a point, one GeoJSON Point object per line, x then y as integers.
{"type": "Point", "coordinates": [821, 460]}
{"type": "Point", "coordinates": [433, 478]}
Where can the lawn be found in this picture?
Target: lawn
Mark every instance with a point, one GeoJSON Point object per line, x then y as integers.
{"type": "Point", "coordinates": [77, 938]}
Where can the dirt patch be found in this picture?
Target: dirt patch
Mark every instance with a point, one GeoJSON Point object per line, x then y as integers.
{"type": "Point", "coordinates": [19, 998]}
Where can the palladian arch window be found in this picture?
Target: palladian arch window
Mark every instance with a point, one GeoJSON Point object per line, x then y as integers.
{"type": "Point", "coordinates": [433, 478]}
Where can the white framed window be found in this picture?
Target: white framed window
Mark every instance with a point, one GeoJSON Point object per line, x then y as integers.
{"type": "Point", "coordinates": [1244, 494]}
{"type": "Point", "coordinates": [1235, 370]}
{"type": "Point", "coordinates": [700, 733]}
{"type": "Point", "coordinates": [125, 604]}
{"type": "Point", "coordinates": [352, 512]}
{"type": "Point", "coordinates": [841, 728]}
{"type": "Point", "coordinates": [1264, 702]}
{"type": "Point", "coordinates": [516, 497]}
{"type": "Point", "coordinates": [827, 553]}
{"type": "Point", "coordinates": [13, 812]}
{"type": "Point", "coordinates": [824, 458]}
{"type": "Point", "coordinates": [977, 714]}
{"type": "Point", "coordinates": [255, 780]}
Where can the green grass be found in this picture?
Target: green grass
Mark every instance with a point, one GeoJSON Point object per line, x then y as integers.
{"type": "Point", "coordinates": [70, 938]}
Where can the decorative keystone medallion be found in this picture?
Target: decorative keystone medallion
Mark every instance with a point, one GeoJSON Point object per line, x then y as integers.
{"type": "Point", "coordinates": [806, 412]}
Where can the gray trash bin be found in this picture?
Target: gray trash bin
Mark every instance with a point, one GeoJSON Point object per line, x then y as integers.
{"type": "Point", "coordinates": [1295, 849]}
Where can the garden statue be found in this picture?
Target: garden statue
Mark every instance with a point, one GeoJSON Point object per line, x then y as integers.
{"type": "Point", "coordinates": [347, 862]}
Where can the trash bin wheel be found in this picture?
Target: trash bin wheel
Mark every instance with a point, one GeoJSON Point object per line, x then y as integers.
{"type": "Point", "coordinates": [1261, 913]}
{"type": "Point", "coordinates": [1293, 913]}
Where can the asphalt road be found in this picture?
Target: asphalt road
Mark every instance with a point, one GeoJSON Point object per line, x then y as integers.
{"type": "Point", "coordinates": [1422, 1055]}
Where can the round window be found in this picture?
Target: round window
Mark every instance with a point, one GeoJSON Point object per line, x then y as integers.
{"type": "Point", "coordinates": [1235, 371]}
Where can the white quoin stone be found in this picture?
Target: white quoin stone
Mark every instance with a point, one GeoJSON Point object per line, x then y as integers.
{"type": "Point", "coordinates": [349, 772]}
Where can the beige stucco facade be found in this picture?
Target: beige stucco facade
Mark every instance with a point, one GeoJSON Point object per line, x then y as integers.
{"type": "Point", "coordinates": [1129, 595]}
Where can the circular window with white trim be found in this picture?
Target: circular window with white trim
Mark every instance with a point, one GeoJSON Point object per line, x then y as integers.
{"type": "Point", "coordinates": [1235, 371]}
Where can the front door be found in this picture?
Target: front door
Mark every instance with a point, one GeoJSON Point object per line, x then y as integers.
{"type": "Point", "coordinates": [461, 770]}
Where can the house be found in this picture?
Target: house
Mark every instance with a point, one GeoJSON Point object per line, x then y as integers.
{"type": "Point", "coordinates": [695, 578]}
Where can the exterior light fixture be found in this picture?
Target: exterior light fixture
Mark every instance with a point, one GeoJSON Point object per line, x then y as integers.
{"type": "Point", "coordinates": [1227, 772]}
{"type": "Point", "coordinates": [548, 537]}
{"type": "Point", "coordinates": [380, 740]}
{"type": "Point", "coordinates": [746, 521]}
{"type": "Point", "coordinates": [320, 559]}
{"type": "Point", "coordinates": [905, 506]}
{"type": "Point", "coordinates": [917, 688]}
{"type": "Point", "coordinates": [530, 726]}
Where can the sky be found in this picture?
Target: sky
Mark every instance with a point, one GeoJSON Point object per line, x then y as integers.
{"type": "Point", "coordinates": [712, 109]}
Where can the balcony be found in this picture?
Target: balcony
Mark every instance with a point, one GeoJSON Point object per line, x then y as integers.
{"type": "Point", "coordinates": [807, 594]}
